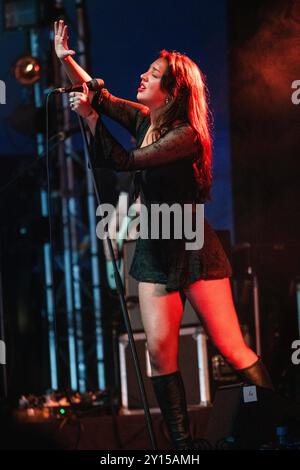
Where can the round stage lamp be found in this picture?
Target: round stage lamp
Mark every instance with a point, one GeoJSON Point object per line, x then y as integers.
{"type": "Point", "coordinates": [27, 70]}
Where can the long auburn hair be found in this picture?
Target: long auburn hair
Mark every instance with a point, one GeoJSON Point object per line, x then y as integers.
{"type": "Point", "coordinates": [185, 83]}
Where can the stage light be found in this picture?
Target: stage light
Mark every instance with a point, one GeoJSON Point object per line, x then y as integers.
{"type": "Point", "coordinates": [27, 70]}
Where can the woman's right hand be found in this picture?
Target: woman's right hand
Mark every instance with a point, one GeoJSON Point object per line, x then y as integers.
{"type": "Point", "coordinates": [61, 40]}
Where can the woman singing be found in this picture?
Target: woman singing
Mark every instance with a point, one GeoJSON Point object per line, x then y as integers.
{"type": "Point", "coordinates": [172, 163]}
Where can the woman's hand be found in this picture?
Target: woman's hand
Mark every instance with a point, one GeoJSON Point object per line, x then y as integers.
{"type": "Point", "coordinates": [79, 102]}
{"type": "Point", "coordinates": [61, 40]}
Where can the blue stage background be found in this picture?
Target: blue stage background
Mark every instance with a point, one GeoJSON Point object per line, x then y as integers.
{"type": "Point", "coordinates": [125, 38]}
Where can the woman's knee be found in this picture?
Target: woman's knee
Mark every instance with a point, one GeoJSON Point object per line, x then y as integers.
{"type": "Point", "coordinates": [239, 355]}
{"type": "Point", "coordinates": [163, 359]}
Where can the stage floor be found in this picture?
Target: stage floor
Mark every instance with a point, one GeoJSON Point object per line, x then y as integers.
{"type": "Point", "coordinates": [119, 432]}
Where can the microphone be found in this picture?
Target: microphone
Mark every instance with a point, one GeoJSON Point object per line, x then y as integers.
{"type": "Point", "coordinates": [93, 85]}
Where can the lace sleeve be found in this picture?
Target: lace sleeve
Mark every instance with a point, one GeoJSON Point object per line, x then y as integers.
{"type": "Point", "coordinates": [178, 143]}
{"type": "Point", "coordinates": [127, 113]}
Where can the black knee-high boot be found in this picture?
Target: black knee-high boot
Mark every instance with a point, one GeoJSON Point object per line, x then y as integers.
{"type": "Point", "coordinates": [256, 374]}
{"type": "Point", "coordinates": [170, 395]}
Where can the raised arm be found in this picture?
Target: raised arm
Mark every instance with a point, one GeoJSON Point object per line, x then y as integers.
{"type": "Point", "coordinates": [76, 74]}
{"type": "Point", "coordinates": [179, 143]}
{"type": "Point", "coordinates": [125, 112]}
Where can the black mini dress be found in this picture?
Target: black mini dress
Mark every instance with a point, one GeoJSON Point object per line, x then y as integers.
{"type": "Point", "coordinates": [163, 174]}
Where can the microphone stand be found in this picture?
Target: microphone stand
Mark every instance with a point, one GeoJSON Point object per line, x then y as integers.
{"type": "Point", "coordinates": [120, 290]}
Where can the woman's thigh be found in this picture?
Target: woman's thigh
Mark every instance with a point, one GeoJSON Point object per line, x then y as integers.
{"type": "Point", "coordinates": [213, 302]}
{"type": "Point", "coordinates": [161, 313]}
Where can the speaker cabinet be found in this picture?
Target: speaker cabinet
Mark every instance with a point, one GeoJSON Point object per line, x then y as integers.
{"type": "Point", "coordinates": [244, 417]}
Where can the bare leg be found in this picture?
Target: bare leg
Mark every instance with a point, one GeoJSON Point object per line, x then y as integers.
{"type": "Point", "coordinates": [213, 302]}
{"type": "Point", "coordinates": [161, 313]}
